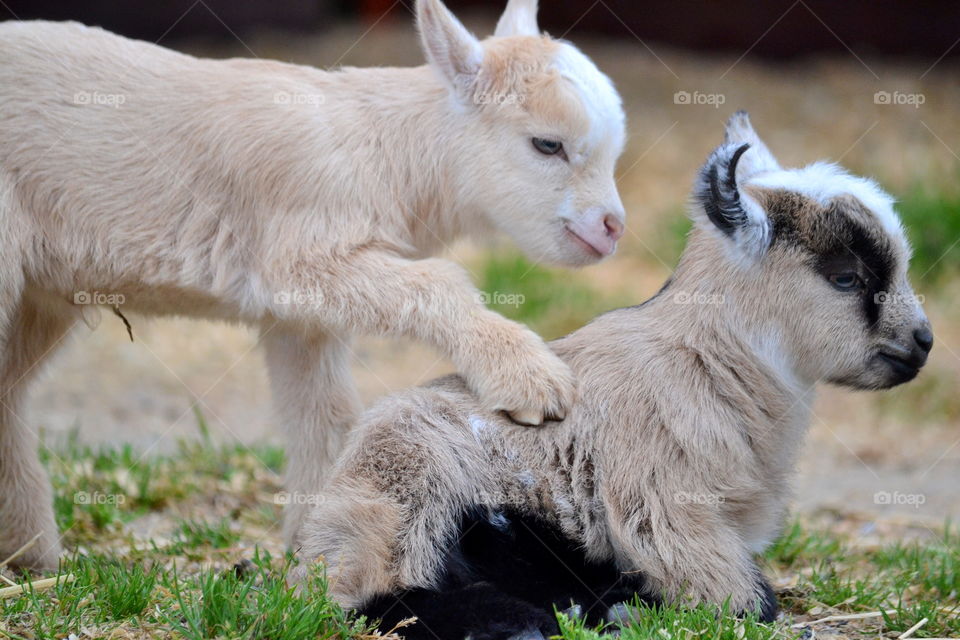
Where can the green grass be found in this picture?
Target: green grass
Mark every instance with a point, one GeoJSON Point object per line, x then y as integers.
{"type": "Point", "coordinates": [210, 573]}
{"type": "Point", "coordinates": [194, 535]}
{"type": "Point", "coordinates": [671, 236]}
{"type": "Point", "coordinates": [553, 302]}
{"type": "Point", "coordinates": [670, 621]}
{"type": "Point", "coordinates": [107, 596]}
{"type": "Point", "coordinates": [932, 221]}
{"type": "Point", "coordinates": [256, 603]}
{"type": "Point", "coordinates": [800, 546]}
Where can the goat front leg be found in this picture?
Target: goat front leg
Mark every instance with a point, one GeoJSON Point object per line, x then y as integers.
{"type": "Point", "coordinates": [377, 292]}
{"type": "Point", "coordinates": [317, 401]}
{"type": "Point", "coordinates": [689, 555]}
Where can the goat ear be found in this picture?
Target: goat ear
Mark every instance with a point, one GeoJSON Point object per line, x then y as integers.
{"type": "Point", "coordinates": [726, 207]}
{"type": "Point", "coordinates": [450, 49]}
{"type": "Point", "coordinates": [518, 19]}
{"type": "Point", "coordinates": [740, 131]}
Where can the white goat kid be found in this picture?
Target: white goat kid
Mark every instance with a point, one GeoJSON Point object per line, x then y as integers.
{"type": "Point", "coordinates": [296, 200]}
{"type": "Point", "coordinates": [673, 468]}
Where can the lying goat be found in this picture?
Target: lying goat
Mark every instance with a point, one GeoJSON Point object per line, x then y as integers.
{"type": "Point", "coordinates": [299, 201]}
{"type": "Point", "coordinates": [672, 470]}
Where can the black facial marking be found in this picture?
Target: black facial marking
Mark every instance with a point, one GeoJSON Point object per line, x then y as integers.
{"type": "Point", "coordinates": [720, 198]}
{"type": "Point", "coordinates": [856, 249]}
{"type": "Point", "coordinates": [841, 237]}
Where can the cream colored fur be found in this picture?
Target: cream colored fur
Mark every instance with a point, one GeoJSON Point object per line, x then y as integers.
{"type": "Point", "coordinates": [676, 460]}
{"type": "Point", "coordinates": [303, 202]}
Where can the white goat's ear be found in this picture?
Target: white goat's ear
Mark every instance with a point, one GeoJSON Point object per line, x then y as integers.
{"type": "Point", "coordinates": [518, 19]}
{"type": "Point", "coordinates": [450, 49]}
{"type": "Point", "coordinates": [759, 159]}
{"type": "Point", "coordinates": [726, 207]}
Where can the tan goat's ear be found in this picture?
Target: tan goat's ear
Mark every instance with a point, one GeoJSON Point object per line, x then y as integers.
{"type": "Point", "coordinates": [740, 131]}
{"type": "Point", "coordinates": [518, 19]}
{"type": "Point", "coordinates": [451, 50]}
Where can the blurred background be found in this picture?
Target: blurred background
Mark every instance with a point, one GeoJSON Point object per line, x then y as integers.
{"type": "Point", "coordinates": [872, 84]}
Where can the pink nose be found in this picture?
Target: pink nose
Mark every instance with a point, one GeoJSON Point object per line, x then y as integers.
{"type": "Point", "coordinates": [613, 226]}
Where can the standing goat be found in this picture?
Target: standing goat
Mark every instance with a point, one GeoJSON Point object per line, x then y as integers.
{"type": "Point", "coordinates": [672, 470]}
{"type": "Point", "coordinates": [299, 201]}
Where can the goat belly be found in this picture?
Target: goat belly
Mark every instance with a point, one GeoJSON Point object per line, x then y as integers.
{"type": "Point", "coordinates": [504, 576]}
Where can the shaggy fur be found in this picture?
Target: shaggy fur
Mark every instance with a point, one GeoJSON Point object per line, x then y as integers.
{"type": "Point", "coordinates": [674, 465]}
{"type": "Point", "coordinates": [300, 201]}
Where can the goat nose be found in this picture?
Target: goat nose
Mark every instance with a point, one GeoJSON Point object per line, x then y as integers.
{"type": "Point", "coordinates": [924, 338]}
{"type": "Point", "coordinates": [613, 226]}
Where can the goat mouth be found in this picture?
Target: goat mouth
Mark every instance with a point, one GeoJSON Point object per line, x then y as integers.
{"type": "Point", "coordinates": [583, 243]}
{"type": "Point", "coordinates": [905, 369]}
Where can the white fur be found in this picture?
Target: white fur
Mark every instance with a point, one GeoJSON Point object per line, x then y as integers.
{"type": "Point", "coordinates": [478, 425]}
{"type": "Point", "coordinates": [824, 181]}
{"type": "Point", "coordinates": [518, 19]}
{"type": "Point", "coordinates": [302, 202]}
{"type": "Point", "coordinates": [599, 96]}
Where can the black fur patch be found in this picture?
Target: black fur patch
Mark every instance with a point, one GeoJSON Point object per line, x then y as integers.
{"type": "Point", "coordinates": [500, 581]}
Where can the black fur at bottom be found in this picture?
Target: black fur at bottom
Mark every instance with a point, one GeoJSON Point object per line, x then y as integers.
{"type": "Point", "coordinates": [504, 577]}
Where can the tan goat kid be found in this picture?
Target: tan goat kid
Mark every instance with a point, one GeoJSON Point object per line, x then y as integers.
{"type": "Point", "coordinates": [300, 201]}
{"type": "Point", "coordinates": [674, 464]}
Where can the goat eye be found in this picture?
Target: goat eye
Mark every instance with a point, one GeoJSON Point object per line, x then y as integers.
{"type": "Point", "coordinates": [845, 281]}
{"type": "Point", "coordinates": [547, 147]}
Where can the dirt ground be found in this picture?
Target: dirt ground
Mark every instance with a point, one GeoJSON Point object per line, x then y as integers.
{"type": "Point", "coordinates": [890, 456]}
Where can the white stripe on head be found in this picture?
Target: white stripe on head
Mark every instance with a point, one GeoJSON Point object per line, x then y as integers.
{"type": "Point", "coordinates": [598, 95]}
{"type": "Point", "coordinates": [824, 181]}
